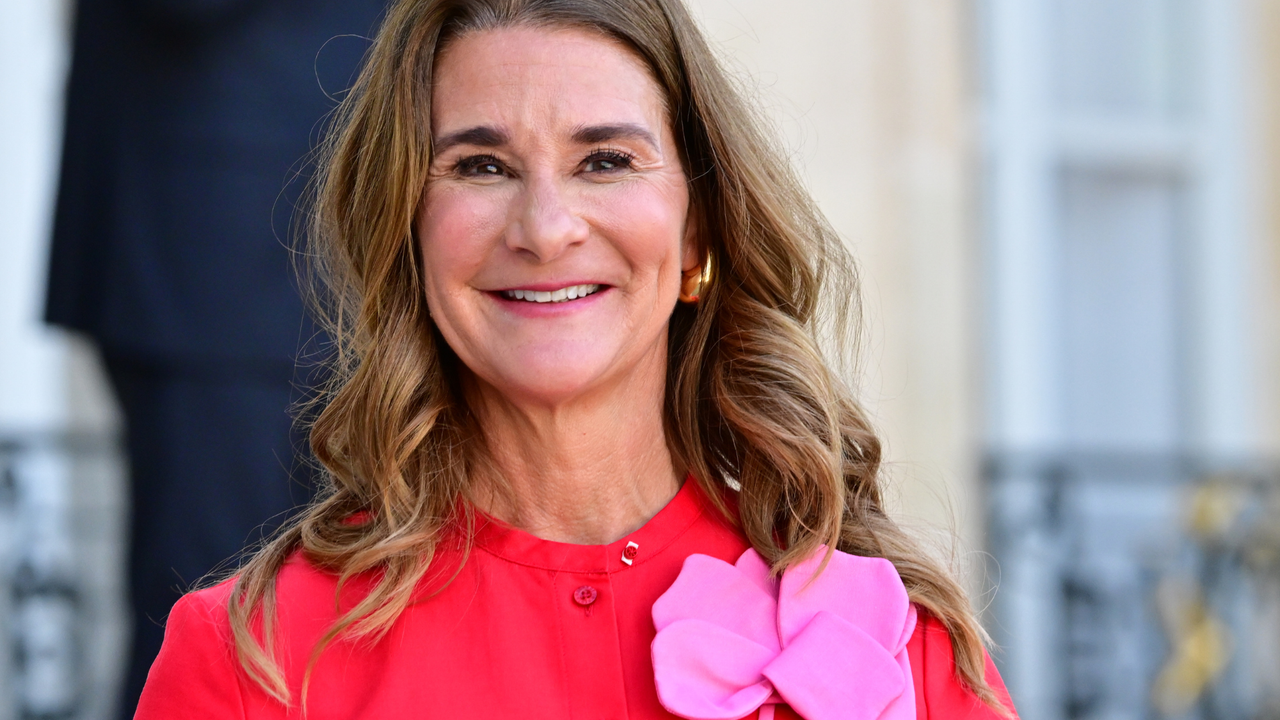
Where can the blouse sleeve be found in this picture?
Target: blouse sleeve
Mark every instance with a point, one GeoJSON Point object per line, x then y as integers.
{"type": "Point", "coordinates": [195, 675]}
{"type": "Point", "coordinates": [940, 695]}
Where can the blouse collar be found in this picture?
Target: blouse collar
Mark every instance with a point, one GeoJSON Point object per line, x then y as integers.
{"type": "Point", "coordinates": [660, 532]}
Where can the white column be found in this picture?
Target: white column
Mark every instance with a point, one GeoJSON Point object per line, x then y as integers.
{"type": "Point", "coordinates": [1025, 349]}
{"type": "Point", "coordinates": [32, 67]}
{"type": "Point", "coordinates": [1223, 382]}
{"type": "Point", "coordinates": [1024, 345]}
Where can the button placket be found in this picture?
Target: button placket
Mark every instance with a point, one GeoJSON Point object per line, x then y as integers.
{"type": "Point", "coordinates": [591, 651]}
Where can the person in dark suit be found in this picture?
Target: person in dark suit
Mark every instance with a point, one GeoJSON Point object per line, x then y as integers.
{"type": "Point", "coordinates": [187, 125]}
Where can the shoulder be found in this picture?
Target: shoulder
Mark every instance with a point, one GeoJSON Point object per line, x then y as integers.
{"type": "Point", "coordinates": [300, 589]}
{"type": "Point", "coordinates": [198, 667]}
{"type": "Point", "coordinates": [939, 691]}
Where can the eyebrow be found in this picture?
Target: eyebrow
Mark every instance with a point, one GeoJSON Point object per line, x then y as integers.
{"type": "Point", "coordinates": [596, 134]}
{"type": "Point", "coordinates": [491, 137]}
{"type": "Point", "coordinates": [481, 136]}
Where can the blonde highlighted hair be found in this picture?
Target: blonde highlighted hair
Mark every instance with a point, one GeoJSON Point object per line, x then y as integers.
{"type": "Point", "coordinates": [751, 400]}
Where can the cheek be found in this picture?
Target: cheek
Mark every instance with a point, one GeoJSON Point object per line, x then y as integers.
{"type": "Point", "coordinates": [647, 223]}
{"type": "Point", "coordinates": [456, 232]}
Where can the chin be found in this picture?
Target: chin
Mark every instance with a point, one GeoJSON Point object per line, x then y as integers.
{"type": "Point", "coordinates": [556, 379]}
{"type": "Point", "coordinates": [552, 372]}
{"type": "Point", "coordinates": [548, 385]}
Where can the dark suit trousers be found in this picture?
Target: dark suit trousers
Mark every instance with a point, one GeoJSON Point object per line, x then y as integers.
{"type": "Point", "coordinates": [213, 467]}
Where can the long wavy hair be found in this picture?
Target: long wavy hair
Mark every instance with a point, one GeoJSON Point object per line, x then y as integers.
{"type": "Point", "coordinates": [752, 402]}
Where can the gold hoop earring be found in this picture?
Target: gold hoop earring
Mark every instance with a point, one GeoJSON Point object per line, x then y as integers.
{"type": "Point", "coordinates": [694, 283]}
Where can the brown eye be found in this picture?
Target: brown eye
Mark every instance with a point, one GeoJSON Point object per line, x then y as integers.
{"type": "Point", "coordinates": [605, 162]}
{"type": "Point", "coordinates": [480, 166]}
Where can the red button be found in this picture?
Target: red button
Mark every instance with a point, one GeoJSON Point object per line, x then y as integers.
{"type": "Point", "coordinates": [584, 595]}
{"type": "Point", "coordinates": [630, 552]}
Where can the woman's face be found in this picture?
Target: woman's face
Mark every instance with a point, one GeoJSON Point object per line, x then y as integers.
{"type": "Point", "coordinates": [554, 224]}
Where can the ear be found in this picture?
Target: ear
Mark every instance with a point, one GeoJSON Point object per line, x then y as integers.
{"type": "Point", "coordinates": [692, 253]}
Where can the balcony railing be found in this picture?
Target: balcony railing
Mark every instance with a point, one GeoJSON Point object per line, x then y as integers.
{"type": "Point", "coordinates": [1137, 586]}
{"type": "Point", "coordinates": [62, 520]}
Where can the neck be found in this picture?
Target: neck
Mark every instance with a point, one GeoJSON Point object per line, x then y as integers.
{"type": "Point", "coordinates": [589, 471]}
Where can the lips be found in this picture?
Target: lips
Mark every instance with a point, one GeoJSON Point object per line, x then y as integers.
{"type": "Point", "coordinates": [565, 294]}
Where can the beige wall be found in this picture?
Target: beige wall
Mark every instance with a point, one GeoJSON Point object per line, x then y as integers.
{"type": "Point", "coordinates": [1264, 93]}
{"type": "Point", "coordinates": [875, 100]}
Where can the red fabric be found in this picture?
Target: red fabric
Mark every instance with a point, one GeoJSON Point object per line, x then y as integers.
{"type": "Point", "coordinates": [517, 632]}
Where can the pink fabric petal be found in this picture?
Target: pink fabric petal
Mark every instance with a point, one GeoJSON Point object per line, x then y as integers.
{"type": "Point", "coordinates": [859, 678]}
{"type": "Point", "coordinates": [757, 571]}
{"type": "Point", "coordinates": [867, 592]}
{"type": "Point", "coordinates": [715, 591]}
{"type": "Point", "coordinates": [908, 629]}
{"type": "Point", "coordinates": [708, 672]}
{"type": "Point", "coordinates": [731, 639]}
{"type": "Point", "coordinates": [903, 707]}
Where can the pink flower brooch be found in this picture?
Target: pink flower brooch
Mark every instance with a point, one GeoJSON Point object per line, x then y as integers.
{"type": "Point", "coordinates": [732, 640]}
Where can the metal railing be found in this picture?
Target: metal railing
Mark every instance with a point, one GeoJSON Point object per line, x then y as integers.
{"type": "Point", "coordinates": [62, 518]}
{"type": "Point", "coordinates": [1137, 586]}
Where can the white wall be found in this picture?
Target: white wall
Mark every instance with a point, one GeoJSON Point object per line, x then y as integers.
{"type": "Point", "coordinates": [1262, 105]}
{"type": "Point", "coordinates": [48, 382]}
{"type": "Point", "coordinates": [32, 63]}
{"type": "Point", "coordinates": [61, 523]}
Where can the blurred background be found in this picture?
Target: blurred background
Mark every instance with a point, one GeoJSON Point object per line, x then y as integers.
{"type": "Point", "coordinates": [1067, 217]}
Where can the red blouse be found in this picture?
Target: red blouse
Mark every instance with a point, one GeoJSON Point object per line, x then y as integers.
{"type": "Point", "coordinates": [526, 628]}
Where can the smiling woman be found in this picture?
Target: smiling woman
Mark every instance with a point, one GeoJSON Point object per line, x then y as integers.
{"type": "Point", "coordinates": [574, 472]}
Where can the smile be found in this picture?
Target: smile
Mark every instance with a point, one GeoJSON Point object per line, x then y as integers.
{"type": "Point", "coordinates": [572, 292]}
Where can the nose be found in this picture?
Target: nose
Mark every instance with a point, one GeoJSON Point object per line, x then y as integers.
{"type": "Point", "coordinates": [547, 224]}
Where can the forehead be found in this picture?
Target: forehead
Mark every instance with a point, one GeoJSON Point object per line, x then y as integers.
{"type": "Point", "coordinates": [526, 78]}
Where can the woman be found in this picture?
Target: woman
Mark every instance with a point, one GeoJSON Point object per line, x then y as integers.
{"type": "Point", "coordinates": [587, 459]}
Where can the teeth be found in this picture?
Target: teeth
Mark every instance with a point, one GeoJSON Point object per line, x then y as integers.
{"type": "Point", "coordinates": [562, 295]}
